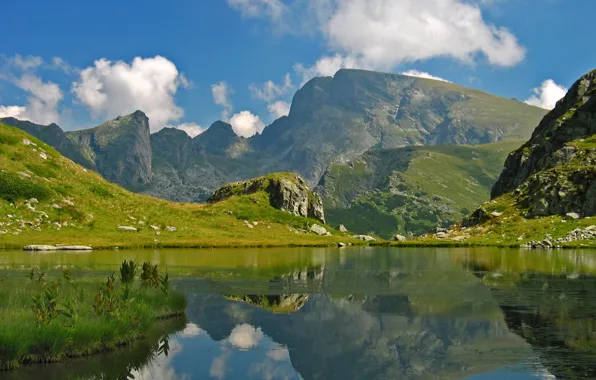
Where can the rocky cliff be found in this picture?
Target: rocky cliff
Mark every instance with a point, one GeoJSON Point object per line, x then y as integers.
{"type": "Point", "coordinates": [555, 171]}
{"type": "Point", "coordinates": [120, 149]}
{"type": "Point", "coordinates": [287, 192]}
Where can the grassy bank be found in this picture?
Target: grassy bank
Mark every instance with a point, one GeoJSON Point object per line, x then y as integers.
{"type": "Point", "coordinates": [73, 205]}
{"type": "Point", "coordinates": [50, 318]}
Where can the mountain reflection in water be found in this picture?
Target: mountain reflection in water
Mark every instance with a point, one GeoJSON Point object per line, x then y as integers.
{"type": "Point", "coordinates": [382, 314]}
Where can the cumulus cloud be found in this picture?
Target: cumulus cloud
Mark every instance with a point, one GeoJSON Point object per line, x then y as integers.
{"type": "Point", "coordinates": [381, 34]}
{"type": "Point", "coordinates": [328, 66]}
{"type": "Point", "coordinates": [270, 90]}
{"type": "Point", "coordinates": [191, 129]}
{"type": "Point", "coordinates": [245, 336]}
{"type": "Point", "coordinates": [116, 88]}
{"type": "Point", "coordinates": [42, 101]}
{"type": "Point", "coordinates": [422, 74]}
{"type": "Point", "coordinates": [18, 112]}
{"type": "Point", "coordinates": [387, 32]}
{"type": "Point", "coordinates": [246, 124]}
{"type": "Point", "coordinates": [221, 96]}
{"type": "Point", "coordinates": [25, 63]}
{"type": "Point", "coordinates": [278, 109]}
{"type": "Point", "coordinates": [547, 95]}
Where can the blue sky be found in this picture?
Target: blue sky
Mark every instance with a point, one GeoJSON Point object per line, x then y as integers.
{"type": "Point", "coordinates": [189, 63]}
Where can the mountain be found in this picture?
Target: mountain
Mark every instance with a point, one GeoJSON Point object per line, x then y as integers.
{"type": "Point", "coordinates": [555, 171]}
{"type": "Point", "coordinates": [546, 194]}
{"type": "Point", "coordinates": [412, 189]}
{"type": "Point", "coordinates": [120, 149]}
{"type": "Point", "coordinates": [332, 119]}
{"type": "Point", "coordinates": [339, 118]}
{"type": "Point", "coordinates": [45, 198]}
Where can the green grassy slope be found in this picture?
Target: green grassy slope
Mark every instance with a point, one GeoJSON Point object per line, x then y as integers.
{"type": "Point", "coordinates": [77, 206]}
{"type": "Point", "coordinates": [411, 189]}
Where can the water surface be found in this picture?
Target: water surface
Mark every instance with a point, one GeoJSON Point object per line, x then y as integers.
{"type": "Point", "coordinates": [361, 313]}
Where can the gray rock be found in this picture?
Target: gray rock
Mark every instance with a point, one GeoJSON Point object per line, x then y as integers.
{"type": "Point", "coordinates": [399, 237]}
{"type": "Point", "coordinates": [74, 248]}
{"type": "Point", "coordinates": [40, 248]}
{"type": "Point", "coordinates": [127, 228]}
{"type": "Point", "coordinates": [364, 237]}
{"type": "Point", "coordinates": [319, 230]}
{"type": "Point", "coordinates": [572, 215]}
{"type": "Point", "coordinates": [341, 245]}
{"type": "Point", "coordinates": [343, 229]}
{"type": "Point", "coordinates": [33, 201]}
{"type": "Point", "coordinates": [286, 194]}
{"type": "Point", "coordinates": [171, 229]}
{"type": "Point", "coordinates": [154, 228]}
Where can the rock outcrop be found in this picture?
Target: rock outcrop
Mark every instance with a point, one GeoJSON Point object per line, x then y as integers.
{"type": "Point", "coordinates": [287, 192]}
{"type": "Point", "coordinates": [555, 171]}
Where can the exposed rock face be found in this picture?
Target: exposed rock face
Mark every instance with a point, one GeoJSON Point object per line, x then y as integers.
{"type": "Point", "coordinates": [120, 149]}
{"type": "Point", "coordinates": [287, 192]}
{"type": "Point", "coordinates": [555, 171]}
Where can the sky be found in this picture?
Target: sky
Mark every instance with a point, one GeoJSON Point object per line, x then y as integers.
{"type": "Point", "coordinates": [189, 63]}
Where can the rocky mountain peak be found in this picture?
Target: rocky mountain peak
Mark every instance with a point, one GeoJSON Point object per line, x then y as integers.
{"type": "Point", "coordinates": [555, 171]}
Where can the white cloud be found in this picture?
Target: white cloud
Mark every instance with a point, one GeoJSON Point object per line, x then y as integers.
{"type": "Point", "coordinates": [191, 330]}
{"type": "Point", "coordinates": [61, 64]}
{"type": "Point", "coordinates": [273, 9]}
{"type": "Point", "coordinates": [279, 354]}
{"type": "Point", "coordinates": [191, 129]}
{"type": "Point", "coordinates": [381, 34]}
{"type": "Point", "coordinates": [25, 63]}
{"type": "Point", "coordinates": [42, 101]}
{"type": "Point", "coordinates": [328, 66]}
{"type": "Point", "coordinates": [279, 108]}
{"type": "Point", "coordinates": [422, 74]}
{"type": "Point", "coordinates": [221, 96]}
{"type": "Point", "coordinates": [246, 124]}
{"type": "Point", "coordinates": [270, 91]}
{"type": "Point", "coordinates": [245, 336]}
{"type": "Point", "coordinates": [387, 32]}
{"type": "Point", "coordinates": [117, 88]}
{"type": "Point", "coordinates": [547, 95]}
{"type": "Point", "coordinates": [18, 112]}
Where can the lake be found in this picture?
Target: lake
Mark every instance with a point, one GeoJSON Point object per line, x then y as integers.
{"type": "Point", "coordinates": [356, 313]}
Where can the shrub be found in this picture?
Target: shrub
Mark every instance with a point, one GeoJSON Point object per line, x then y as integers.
{"type": "Point", "coordinates": [128, 270]}
{"type": "Point", "coordinates": [8, 139]}
{"type": "Point", "coordinates": [13, 188]}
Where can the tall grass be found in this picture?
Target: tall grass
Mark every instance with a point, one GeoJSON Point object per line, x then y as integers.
{"type": "Point", "coordinates": [76, 328]}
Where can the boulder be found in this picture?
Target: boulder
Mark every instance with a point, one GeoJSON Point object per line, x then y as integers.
{"type": "Point", "coordinates": [127, 228]}
{"type": "Point", "coordinates": [399, 237]}
{"type": "Point", "coordinates": [572, 215]}
{"type": "Point", "coordinates": [364, 237]}
{"type": "Point", "coordinates": [74, 248]}
{"type": "Point", "coordinates": [171, 229]}
{"type": "Point", "coordinates": [319, 230]}
{"type": "Point", "coordinates": [40, 248]}
{"type": "Point", "coordinates": [343, 229]}
{"type": "Point", "coordinates": [341, 245]}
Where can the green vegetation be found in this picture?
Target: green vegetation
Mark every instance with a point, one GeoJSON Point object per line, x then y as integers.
{"type": "Point", "coordinates": [77, 206]}
{"type": "Point", "coordinates": [48, 318]}
{"type": "Point", "coordinates": [412, 189]}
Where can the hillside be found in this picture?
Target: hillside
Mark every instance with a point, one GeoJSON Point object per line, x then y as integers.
{"type": "Point", "coordinates": [412, 189]}
{"type": "Point", "coordinates": [332, 119]}
{"type": "Point", "coordinates": [546, 194]}
{"type": "Point", "coordinates": [76, 206]}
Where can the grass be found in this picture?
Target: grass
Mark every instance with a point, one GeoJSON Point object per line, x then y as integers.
{"type": "Point", "coordinates": [47, 319]}
{"type": "Point", "coordinates": [78, 206]}
{"type": "Point", "coordinates": [414, 188]}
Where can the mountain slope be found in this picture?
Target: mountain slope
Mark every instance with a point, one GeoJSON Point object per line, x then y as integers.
{"type": "Point", "coordinates": [74, 205]}
{"type": "Point", "coordinates": [412, 189]}
{"type": "Point", "coordinates": [546, 194]}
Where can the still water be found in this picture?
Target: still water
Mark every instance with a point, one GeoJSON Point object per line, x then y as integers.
{"type": "Point", "coordinates": [361, 313]}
